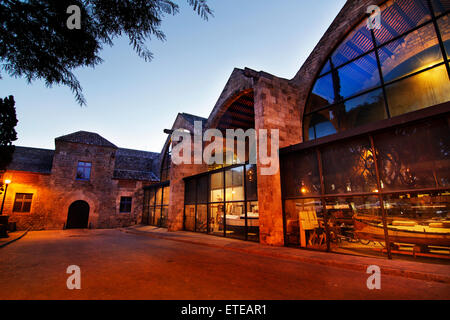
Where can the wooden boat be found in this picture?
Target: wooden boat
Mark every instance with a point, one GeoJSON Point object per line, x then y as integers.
{"type": "Point", "coordinates": [369, 229]}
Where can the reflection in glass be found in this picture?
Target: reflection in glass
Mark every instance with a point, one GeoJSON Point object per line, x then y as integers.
{"type": "Point", "coordinates": [326, 68]}
{"type": "Point", "coordinates": [358, 111]}
{"type": "Point", "coordinates": [358, 42]}
{"type": "Point", "coordinates": [349, 167]}
{"type": "Point", "coordinates": [189, 191]}
{"type": "Point", "coordinates": [151, 216]}
{"type": "Point", "coordinates": [202, 189]}
{"type": "Point", "coordinates": [420, 91]}
{"type": "Point", "coordinates": [216, 187]}
{"type": "Point", "coordinates": [400, 16]}
{"type": "Point", "coordinates": [324, 92]}
{"type": "Point", "coordinates": [358, 76]}
{"type": "Point", "coordinates": [414, 52]}
{"type": "Point", "coordinates": [157, 219]}
{"type": "Point", "coordinates": [251, 182]}
{"type": "Point", "coordinates": [319, 125]}
{"type": "Point", "coordinates": [164, 216]}
{"type": "Point", "coordinates": [305, 223]}
{"type": "Point", "coordinates": [166, 196]}
{"type": "Point", "coordinates": [444, 28]}
{"type": "Point", "coordinates": [300, 174]}
{"type": "Point", "coordinates": [417, 156]}
{"type": "Point", "coordinates": [235, 220]}
{"type": "Point", "coordinates": [440, 6]}
{"type": "Point", "coordinates": [216, 216]}
{"type": "Point", "coordinates": [158, 196]}
{"type": "Point", "coordinates": [234, 184]}
{"type": "Point", "coordinates": [189, 218]}
{"type": "Point", "coordinates": [202, 214]}
{"type": "Point", "coordinates": [253, 221]}
{"type": "Point", "coordinates": [419, 222]}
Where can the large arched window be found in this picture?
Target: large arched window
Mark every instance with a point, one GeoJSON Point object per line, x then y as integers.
{"type": "Point", "coordinates": [377, 74]}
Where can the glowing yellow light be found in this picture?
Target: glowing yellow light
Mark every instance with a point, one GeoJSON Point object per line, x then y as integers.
{"type": "Point", "coordinates": [303, 190]}
{"type": "Point", "coordinates": [7, 181]}
{"type": "Point", "coordinates": [376, 190]}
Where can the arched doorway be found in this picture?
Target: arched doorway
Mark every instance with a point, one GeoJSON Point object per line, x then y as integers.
{"type": "Point", "coordinates": [78, 215]}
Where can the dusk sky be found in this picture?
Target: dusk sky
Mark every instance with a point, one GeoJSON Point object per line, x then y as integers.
{"type": "Point", "coordinates": [130, 101]}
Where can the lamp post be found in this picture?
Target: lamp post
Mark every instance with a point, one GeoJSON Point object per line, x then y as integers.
{"type": "Point", "coordinates": [7, 182]}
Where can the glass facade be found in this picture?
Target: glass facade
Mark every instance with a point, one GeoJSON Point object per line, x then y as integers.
{"type": "Point", "coordinates": [156, 205]}
{"type": "Point", "coordinates": [223, 202]}
{"type": "Point", "coordinates": [358, 194]}
{"type": "Point", "coordinates": [374, 75]}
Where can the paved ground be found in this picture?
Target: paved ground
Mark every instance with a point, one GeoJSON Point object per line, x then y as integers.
{"type": "Point", "coordinates": [119, 265]}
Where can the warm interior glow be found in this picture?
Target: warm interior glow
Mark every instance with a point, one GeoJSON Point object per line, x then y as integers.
{"type": "Point", "coordinates": [303, 190]}
{"type": "Point", "coordinates": [7, 181]}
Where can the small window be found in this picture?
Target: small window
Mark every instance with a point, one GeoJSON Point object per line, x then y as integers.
{"type": "Point", "coordinates": [22, 202]}
{"type": "Point", "coordinates": [84, 170]}
{"type": "Point", "coordinates": [125, 204]}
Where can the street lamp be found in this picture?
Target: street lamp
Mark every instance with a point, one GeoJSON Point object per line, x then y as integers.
{"type": "Point", "coordinates": [7, 182]}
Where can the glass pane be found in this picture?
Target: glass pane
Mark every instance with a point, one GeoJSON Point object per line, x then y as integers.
{"type": "Point", "coordinates": [252, 221]}
{"type": "Point", "coordinates": [235, 220]}
{"type": "Point", "coordinates": [202, 189]}
{"type": "Point", "coordinates": [151, 193]}
{"type": "Point", "coordinates": [420, 91]}
{"type": "Point", "coordinates": [419, 224]}
{"type": "Point", "coordinates": [357, 76]}
{"type": "Point", "coordinates": [166, 195]}
{"type": "Point", "coordinates": [305, 223]}
{"type": "Point", "coordinates": [151, 216]}
{"type": "Point", "coordinates": [216, 185]}
{"type": "Point", "coordinates": [355, 225]}
{"type": "Point", "coordinates": [444, 28]}
{"type": "Point", "coordinates": [319, 125]}
{"type": "Point", "coordinates": [358, 42]}
{"type": "Point", "coordinates": [202, 214]}
{"type": "Point", "coordinates": [234, 179]}
{"type": "Point", "coordinates": [361, 110]}
{"type": "Point", "coordinates": [164, 216]}
{"type": "Point", "coordinates": [251, 182]}
{"type": "Point", "coordinates": [190, 191]}
{"type": "Point", "coordinates": [416, 156]}
{"type": "Point", "coordinates": [145, 215]}
{"type": "Point", "coordinates": [400, 16]}
{"type": "Point", "coordinates": [216, 219]}
{"type": "Point", "coordinates": [189, 218]}
{"type": "Point", "coordinates": [157, 219]}
{"type": "Point", "coordinates": [326, 68]}
{"type": "Point", "coordinates": [158, 196]}
{"type": "Point", "coordinates": [349, 167]}
{"type": "Point", "coordinates": [322, 93]}
{"type": "Point", "coordinates": [300, 174]}
{"type": "Point", "coordinates": [440, 6]}
{"type": "Point", "coordinates": [416, 51]}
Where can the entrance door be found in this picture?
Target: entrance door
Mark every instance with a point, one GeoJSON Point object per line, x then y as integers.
{"type": "Point", "coordinates": [78, 215]}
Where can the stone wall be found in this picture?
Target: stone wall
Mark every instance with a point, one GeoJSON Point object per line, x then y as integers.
{"type": "Point", "coordinates": [54, 193]}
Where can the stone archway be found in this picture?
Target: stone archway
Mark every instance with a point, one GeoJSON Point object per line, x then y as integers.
{"type": "Point", "coordinates": [78, 215]}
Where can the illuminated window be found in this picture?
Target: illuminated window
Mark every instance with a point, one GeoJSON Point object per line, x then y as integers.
{"type": "Point", "coordinates": [371, 76]}
{"type": "Point", "coordinates": [125, 204]}
{"type": "Point", "coordinates": [22, 203]}
{"type": "Point", "coordinates": [84, 170]}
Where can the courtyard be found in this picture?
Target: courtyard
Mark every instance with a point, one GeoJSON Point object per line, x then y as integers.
{"type": "Point", "coordinates": [123, 264]}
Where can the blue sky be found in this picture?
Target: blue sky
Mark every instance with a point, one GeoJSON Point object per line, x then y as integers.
{"type": "Point", "coordinates": [130, 101]}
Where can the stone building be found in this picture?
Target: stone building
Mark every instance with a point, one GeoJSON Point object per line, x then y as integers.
{"type": "Point", "coordinates": [364, 136]}
{"type": "Point", "coordinates": [363, 159]}
{"type": "Point", "coordinates": [86, 182]}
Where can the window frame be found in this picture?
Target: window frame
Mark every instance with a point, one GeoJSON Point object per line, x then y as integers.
{"type": "Point", "coordinates": [84, 167]}
{"type": "Point", "coordinates": [124, 203]}
{"type": "Point", "coordinates": [376, 50]}
{"type": "Point", "coordinates": [22, 202]}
